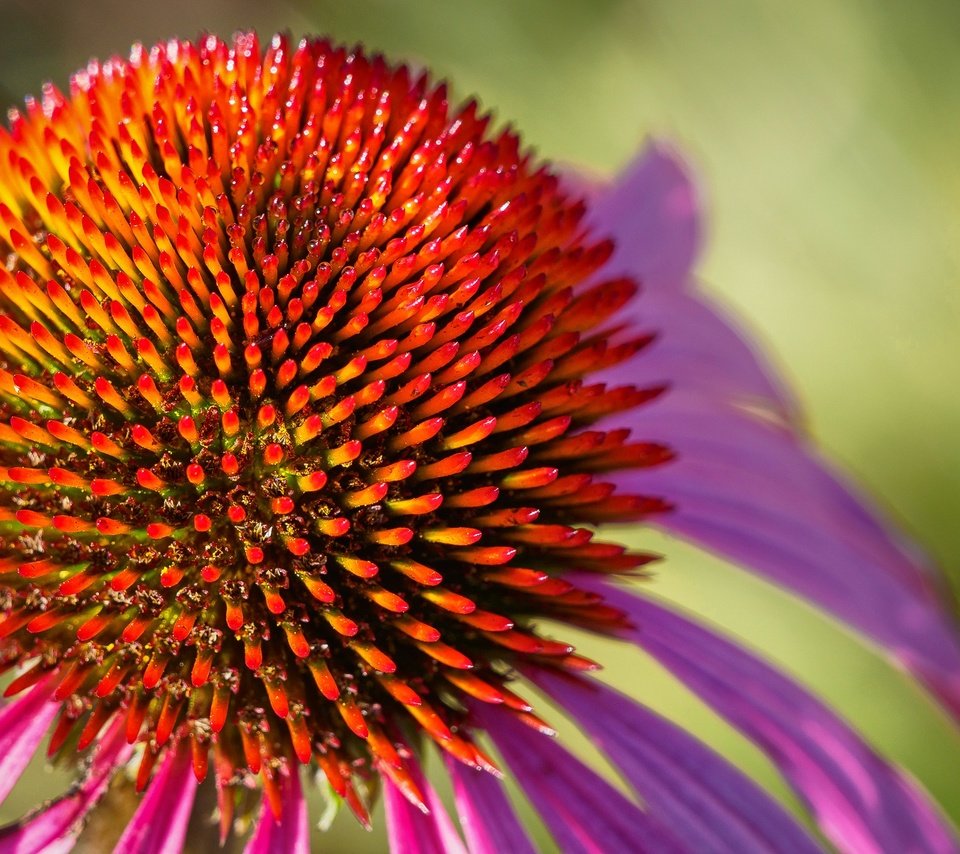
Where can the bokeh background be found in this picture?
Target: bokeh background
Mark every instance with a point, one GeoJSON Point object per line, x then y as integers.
{"type": "Point", "coordinates": [826, 139]}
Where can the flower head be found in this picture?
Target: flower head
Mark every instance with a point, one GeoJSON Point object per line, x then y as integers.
{"type": "Point", "coordinates": [314, 391]}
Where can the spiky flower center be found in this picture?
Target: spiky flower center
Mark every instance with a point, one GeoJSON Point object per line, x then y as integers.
{"type": "Point", "coordinates": [294, 426]}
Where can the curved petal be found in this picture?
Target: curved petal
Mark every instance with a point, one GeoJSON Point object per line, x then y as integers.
{"type": "Point", "coordinates": [709, 358]}
{"type": "Point", "coordinates": [289, 835]}
{"type": "Point", "coordinates": [487, 817]}
{"type": "Point", "coordinates": [23, 723]}
{"type": "Point", "coordinates": [414, 831]}
{"type": "Point", "coordinates": [702, 428]}
{"type": "Point", "coordinates": [585, 814]}
{"type": "Point", "coordinates": [861, 802]}
{"type": "Point", "coordinates": [54, 828]}
{"type": "Point", "coordinates": [653, 214]}
{"type": "Point", "coordinates": [750, 492]}
{"type": "Point", "coordinates": [743, 486]}
{"type": "Point", "coordinates": [709, 805]}
{"type": "Point", "coordinates": [159, 826]}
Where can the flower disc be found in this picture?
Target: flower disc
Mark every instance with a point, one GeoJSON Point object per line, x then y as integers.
{"type": "Point", "coordinates": [297, 433]}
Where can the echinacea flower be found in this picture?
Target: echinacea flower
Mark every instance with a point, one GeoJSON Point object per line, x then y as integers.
{"type": "Point", "coordinates": [315, 394]}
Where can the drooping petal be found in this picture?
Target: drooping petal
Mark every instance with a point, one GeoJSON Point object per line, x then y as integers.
{"type": "Point", "coordinates": [709, 805]}
{"type": "Point", "coordinates": [289, 835]}
{"type": "Point", "coordinates": [54, 828]}
{"type": "Point", "coordinates": [709, 359]}
{"type": "Point", "coordinates": [486, 815]}
{"type": "Point", "coordinates": [23, 723]}
{"type": "Point", "coordinates": [704, 429]}
{"type": "Point", "coordinates": [751, 492]}
{"type": "Point", "coordinates": [860, 801]}
{"type": "Point", "coordinates": [414, 831]}
{"type": "Point", "coordinates": [786, 516]}
{"type": "Point", "coordinates": [159, 826]}
{"type": "Point", "coordinates": [653, 213]}
{"type": "Point", "coordinates": [582, 811]}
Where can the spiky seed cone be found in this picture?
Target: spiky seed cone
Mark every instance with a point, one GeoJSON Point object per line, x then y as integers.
{"type": "Point", "coordinates": [295, 409]}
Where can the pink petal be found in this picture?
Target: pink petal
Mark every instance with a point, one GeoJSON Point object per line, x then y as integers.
{"type": "Point", "coordinates": [54, 828]}
{"type": "Point", "coordinates": [653, 213]}
{"type": "Point", "coordinates": [707, 803]}
{"type": "Point", "coordinates": [699, 350]}
{"type": "Point", "coordinates": [585, 814]}
{"type": "Point", "coordinates": [23, 724]}
{"type": "Point", "coordinates": [750, 491]}
{"type": "Point", "coordinates": [487, 817]}
{"type": "Point", "coordinates": [290, 835]}
{"type": "Point", "coordinates": [862, 803]}
{"type": "Point", "coordinates": [412, 831]}
{"type": "Point", "coordinates": [159, 826]}
{"type": "Point", "coordinates": [743, 486]}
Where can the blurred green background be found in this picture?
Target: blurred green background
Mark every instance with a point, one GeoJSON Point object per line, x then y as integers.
{"type": "Point", "coordinates": [826, 138]}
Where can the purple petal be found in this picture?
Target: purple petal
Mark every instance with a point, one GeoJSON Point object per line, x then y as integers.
{"type": "Point", "coordinates": [751, 492]}
{"type": "Point", "coordinates": [487, 817]}
{"type": "Point", "coordinates": [290, 835]}
{"type": "Point", "coordinates": [54, 828]}
{"type": "Point", "coordinates": [653, 214]}
{"type": "Point", "coordinates": [23, 724]}
{"type": "Point", "coordinates": [765, 454]}
{"type": "Point", "coordinates": [698, 350]}
{"type": "Point", "coordinates": [412, 831]}
{"type": "Point", "coordinates": [708, 804]}
{"type": "Point", "coordinates": [743, 486]}
{"type": "Point", "coordinates": [159, 825]}
{"type": "Point", "coordinates": [862, 803]}
{"type": "Point", "coordinates": [581, 809]}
